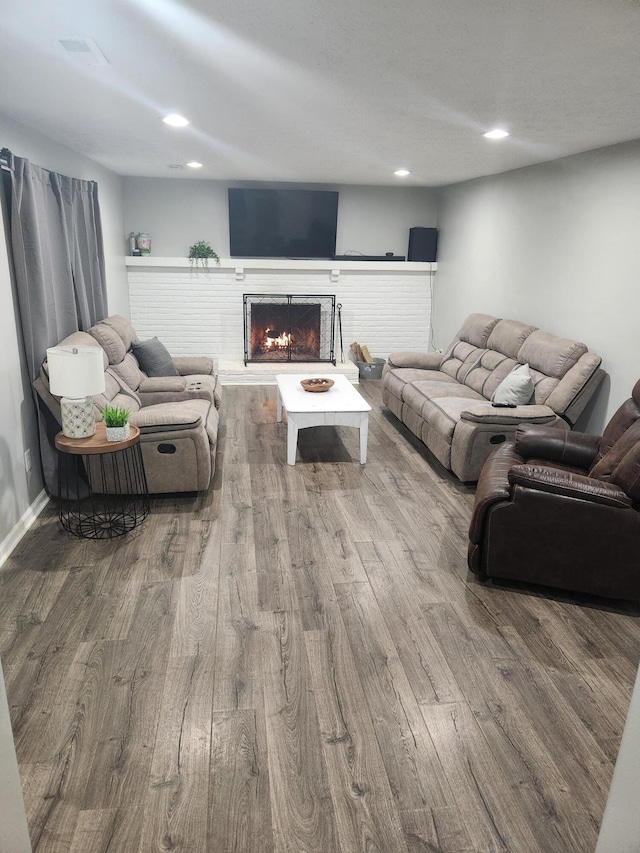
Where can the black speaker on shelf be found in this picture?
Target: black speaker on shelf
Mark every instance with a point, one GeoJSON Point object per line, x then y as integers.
{"type": "Point", "coordinates": [423, 244]}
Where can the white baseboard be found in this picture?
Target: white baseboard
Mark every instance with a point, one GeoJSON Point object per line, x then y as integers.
{"type": "Point", "coordinates": [21, 527]}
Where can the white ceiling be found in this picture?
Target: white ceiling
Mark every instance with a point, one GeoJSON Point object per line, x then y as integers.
{"type": "Point", "coordinates": [325, 91]}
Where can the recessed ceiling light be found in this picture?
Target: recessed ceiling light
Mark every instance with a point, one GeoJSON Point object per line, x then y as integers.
{"type": "Point", "coordinates": [194, 165]}
{"type": "Point", "coordinates": [402, 173]}
{"type": "Point", "coordinates": [174, 120]}
{"type": "Point", "coordinates": [496, 134]}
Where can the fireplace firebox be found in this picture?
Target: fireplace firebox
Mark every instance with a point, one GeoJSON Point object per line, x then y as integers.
{"type": "Point", "coordinates": [288, 328]}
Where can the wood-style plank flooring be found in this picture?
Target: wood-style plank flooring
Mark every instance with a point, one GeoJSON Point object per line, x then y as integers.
{"type": "Point", "coordinates": [300, 661]}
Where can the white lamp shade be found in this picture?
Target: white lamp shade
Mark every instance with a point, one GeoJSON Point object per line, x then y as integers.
{"type": "Point", "coordinates": [75, 371]}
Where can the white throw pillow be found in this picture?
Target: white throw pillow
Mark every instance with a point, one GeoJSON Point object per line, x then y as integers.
{"type": "Point", "coordinates": [516, 388]}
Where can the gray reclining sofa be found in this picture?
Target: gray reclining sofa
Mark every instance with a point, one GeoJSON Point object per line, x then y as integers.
{"type": "Point", "coordinates": [445, 398]}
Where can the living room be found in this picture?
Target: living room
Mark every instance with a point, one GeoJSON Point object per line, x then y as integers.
{"type": "Point", "coordinates": [552, 244]}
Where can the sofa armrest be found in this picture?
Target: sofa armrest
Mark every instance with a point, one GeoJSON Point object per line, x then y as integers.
{"type": "Point", "coordinates": [567, 484]}
{"type": "Point", "coordinates": [569, 448]}
{"type": "Point", "coordinates": [416, 359]}
{"type": "Point", "coordinates": [485, 413]}
{"type": "Point", "coordinates": [187, 365]}
{"type": "Point", "coordinates": [493, 485]}
{"type": "Point", "coordinates": [165, 416]}
{"type": "Point", "coordinates": [160, 384]}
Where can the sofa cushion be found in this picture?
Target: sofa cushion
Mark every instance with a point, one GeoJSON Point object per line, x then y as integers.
{"type": "Point", "coordinates": [627, 414]}
{"type": "Point", "coordinates": [477, 328]}
{"type": "Point", "coordinates": [154, 358]}
{"type": "Point", "coordinates": [507, 336]}
{"type": "Point", "coordinates": [488, 372]}
{"type": "Point", "coordinates": [423, 391]}
{"type": "Point", "coordinates": [128, 372]}
{"type": "Point", "coordinates": [123, 329]}
{"type": "Point", "coordinates": [110, 341]}
{"type": "Point", "coordinates": [549, 354]}
{"type": "Point", "coordinates": [399, 378]}
{"type": "Point", "coordinates": [626, 474]}
{"type": "Point", "coordinates": [605, 466]}
{"type": "Point", "coordinates": [516, 388]}
{"type": "Point", "coordinates": [443, 414]}
{"type": "Point", "coordinates": [460, 359]}
{"type": "Point", "coordinates": [114, 395]}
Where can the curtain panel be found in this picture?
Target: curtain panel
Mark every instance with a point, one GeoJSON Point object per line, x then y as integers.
{"type": "Point", "coordinates": [57, 252]}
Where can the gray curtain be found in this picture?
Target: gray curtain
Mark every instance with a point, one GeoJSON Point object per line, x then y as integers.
{"type": "Point", "coordinates": [57, 252]}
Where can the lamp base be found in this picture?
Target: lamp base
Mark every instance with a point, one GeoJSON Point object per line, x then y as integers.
{"type": "Point", "coordinates": [78, 419]}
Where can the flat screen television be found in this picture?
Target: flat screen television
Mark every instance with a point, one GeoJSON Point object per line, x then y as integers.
{"type": "Point", "coordinates": [282, 223]}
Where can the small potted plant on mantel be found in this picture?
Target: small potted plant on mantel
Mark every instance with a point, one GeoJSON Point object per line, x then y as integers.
{"type": "Point", "coordinates": [200, 254]}
{"type": "Point", "coordinates": [117, 423]}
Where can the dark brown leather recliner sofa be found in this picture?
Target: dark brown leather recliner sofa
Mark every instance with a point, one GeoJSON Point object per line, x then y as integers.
{"type": "Point", "coordinates": [562, 509]}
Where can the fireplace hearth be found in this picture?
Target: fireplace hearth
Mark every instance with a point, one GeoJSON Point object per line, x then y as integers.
{"type": "Point", "coordinates": [279, 328]}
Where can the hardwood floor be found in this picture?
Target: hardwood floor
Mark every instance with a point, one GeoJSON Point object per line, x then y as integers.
{"type": "Point", "coordinates": [300, 661]}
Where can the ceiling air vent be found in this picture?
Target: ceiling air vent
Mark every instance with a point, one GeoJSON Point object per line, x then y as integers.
{"type": "Point", "coordinates": [85, 51]}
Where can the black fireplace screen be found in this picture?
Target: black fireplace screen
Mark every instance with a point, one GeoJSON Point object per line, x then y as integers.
{"type": "Point", "coordinates": [289, 328]}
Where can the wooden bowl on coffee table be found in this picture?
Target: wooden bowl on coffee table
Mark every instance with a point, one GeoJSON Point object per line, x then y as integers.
{"type": "Point", "coordinates": [316, 383]}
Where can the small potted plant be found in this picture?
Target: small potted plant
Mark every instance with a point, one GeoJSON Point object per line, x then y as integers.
{"type": "Point", "coordinates": [200, 253]}
{"type": "Point", "coordinates": [117, 423]}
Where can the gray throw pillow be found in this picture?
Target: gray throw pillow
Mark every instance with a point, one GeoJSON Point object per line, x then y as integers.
{"type": "Point", "coordinates": [153, 358]}
{"type": "Point", "coordinates": [516, 388]}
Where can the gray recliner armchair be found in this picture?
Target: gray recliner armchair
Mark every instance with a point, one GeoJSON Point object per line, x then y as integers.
{"type": "Point", "coordinates": [178, 416]}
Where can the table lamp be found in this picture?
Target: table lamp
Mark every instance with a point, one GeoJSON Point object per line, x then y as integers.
{"type": "Point", "coordinates": [75, 373]}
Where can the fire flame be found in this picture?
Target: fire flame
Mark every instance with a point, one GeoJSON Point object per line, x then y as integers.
{"type": "Point", "coordinates": [283, 340]}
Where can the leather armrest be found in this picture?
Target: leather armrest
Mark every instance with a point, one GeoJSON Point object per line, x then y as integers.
{"type": "Point", "coordinates": [416, 359]}
{"type": "Point", "coordinates": [186, 365]}
{"type": "Point", "coordinates": [158, 384]}
{"type": "Point", "coordinates": [556, 481]}
{"type": "Point", "coordinates": [484, 412]}
{"type": "Point", "coordinates": [493, 485]}
{"type": "Point", "coordinates": [557, 445]}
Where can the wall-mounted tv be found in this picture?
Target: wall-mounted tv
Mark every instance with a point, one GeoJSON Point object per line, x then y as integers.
{"type": "Point", "coordinates": [282, 223]}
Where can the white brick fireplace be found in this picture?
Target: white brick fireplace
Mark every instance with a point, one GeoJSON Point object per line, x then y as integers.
{"type": "Point", "coordinates": [385, 305]}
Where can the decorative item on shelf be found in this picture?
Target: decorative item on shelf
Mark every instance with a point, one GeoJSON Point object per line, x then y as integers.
{"type": "Point", "coordinates": [317, 383]}
{"type": "Point", "coordinates": [131, 243]}
{"type": "Point", "coordinates": [75, 374]}
{"type": "Point", "coordinates": [200, 253]}
{"type": "Point", "coordinates": [143, 243]}
{"type": "Point", "coordinates": [116, 422]}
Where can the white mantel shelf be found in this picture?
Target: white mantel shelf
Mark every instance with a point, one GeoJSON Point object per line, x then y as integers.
{"type": "Point", "coordinates": [383, 304]}
{"type": "Point", "coordinates": [148, 263]}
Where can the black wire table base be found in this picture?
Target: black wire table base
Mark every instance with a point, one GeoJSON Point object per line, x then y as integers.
{"type": "Point", "coordinates": [102, 495]}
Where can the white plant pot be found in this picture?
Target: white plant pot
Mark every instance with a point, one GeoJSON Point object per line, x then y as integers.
{"type": "Point", "coordinates": [118, 433]}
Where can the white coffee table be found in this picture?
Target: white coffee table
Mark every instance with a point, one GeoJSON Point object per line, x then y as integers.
{"type": "Point", "coordinates": [341, 405]}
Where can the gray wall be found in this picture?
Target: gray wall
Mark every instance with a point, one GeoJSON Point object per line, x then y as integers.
{"type": "Point", "coordinates": [177, 212]}
{"type": "Point", "coordinates": [18, 430]}
{"type": "Point", "coordinates": [555, 245]}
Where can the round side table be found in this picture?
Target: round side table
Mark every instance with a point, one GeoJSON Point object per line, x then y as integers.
{"type": "Point", "coordinates": [102, 487]}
